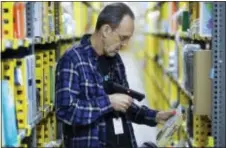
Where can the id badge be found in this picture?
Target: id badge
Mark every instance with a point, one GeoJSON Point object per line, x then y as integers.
{"type": "Point", "coordinates": [118, 126]}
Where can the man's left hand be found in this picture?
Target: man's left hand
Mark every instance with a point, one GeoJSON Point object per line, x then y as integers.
{"type": "Point", "coordinates": [163, 116]}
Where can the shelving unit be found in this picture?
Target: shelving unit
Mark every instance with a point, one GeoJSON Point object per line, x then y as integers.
{"type": "Point", "coordinates": [44, 36]}
{"type": "Point", "coordinates": [166, 86]}
{"type": "Point", "coordinates": [218, 74]}
{"type": "Point", "coordinates": [36, 34]}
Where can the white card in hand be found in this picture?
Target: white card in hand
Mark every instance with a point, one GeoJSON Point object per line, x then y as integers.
{"type": "Point", "coordinates": [118, 127]}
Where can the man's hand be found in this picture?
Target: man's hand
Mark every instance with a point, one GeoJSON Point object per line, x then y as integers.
{"type": "Point", "coordinates": [120, 102]}
{"type": "Point", "coordinates": [163, 116]}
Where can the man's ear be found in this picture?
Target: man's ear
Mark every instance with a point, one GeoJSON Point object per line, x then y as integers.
{"type": "Point", "coordinates": [106, 30]}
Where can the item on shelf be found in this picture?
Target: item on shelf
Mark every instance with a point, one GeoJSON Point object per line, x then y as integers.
{"type": "Point", "coordinates": [189, 119]}
{"type": "Point", "coordinates": [194, 11]}
{"type": "Point", "coordinates": [188, 56]}
{"type": "Point", "coordinates": [206, 19]}
{"type": "Point", "coordinates": [45, 20]}
{"type": "Point", "coordinates": [170, 127]}
{"type": "Point", "coordinates": [202, 82]}
{"type": "Point", "coordinates": [181, 143]}
{"type": "Point", "coordinates": [172, 68]}
{"type": "Point", "coordinates": [165, 24]}
{"type": "Point", "coordinates": [160, 52]}
{"type": "Point", "coordinates": [52, 84]}
{"type": "Point", "coordinates": [3, 130]}
{"type": "Point", "coordinates": [51, 18]}
{"type": "Point", "coordinates": [18, 76]}
{"type": "Point", "coordinates": [173, 21]}
{"type": "Point", "coordinates": [185, 21]}
{"type": "Point", "coordinates": [31, 88]}
{"type": "Point", "coordinates": [151, 18]}
{"type": "Point", "coordinates": [68, 24]}
{"type": "Point", "coordinates": [19, 20]}
{"type": "Point", "coordinates": [9, 116]}
{"type": "Point", "coordinates": [178, 55]}
{"type": "Point", "coordinates": [67, 17]}
{"type": "Point", "coordinates": [38, 97]}
{"type": "Point", "coordinates": [53, 144]}
{"type": "Point", "coordinates": [38, 8]}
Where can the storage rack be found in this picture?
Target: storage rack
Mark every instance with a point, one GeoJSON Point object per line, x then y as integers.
{"type": "Point", "coordinates": [46, 48]}
{"type": "Point", "coordinates": [169, 92]}
{"type": "Point", "coordinates": [165, 89]}
{"type": "Point", "coordinates": [218, 94]}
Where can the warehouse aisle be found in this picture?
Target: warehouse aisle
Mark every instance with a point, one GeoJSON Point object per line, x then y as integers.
{"type": "Point", "coordinates": [143, 133]}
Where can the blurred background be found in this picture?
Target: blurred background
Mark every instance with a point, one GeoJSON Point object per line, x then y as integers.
{"type": "Point", "coordinates": [169, 59]}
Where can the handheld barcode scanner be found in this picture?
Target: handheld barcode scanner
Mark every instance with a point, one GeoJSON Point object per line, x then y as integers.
{"type": "Point", "coordinates": [112, 87]}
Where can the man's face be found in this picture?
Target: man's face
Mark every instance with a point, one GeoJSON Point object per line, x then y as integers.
{"type": "Point", "coordinates": [119, 37]}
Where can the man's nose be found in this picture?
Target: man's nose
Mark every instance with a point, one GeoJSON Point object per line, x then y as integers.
{"type": "Point", "coordinates": [124, 43]}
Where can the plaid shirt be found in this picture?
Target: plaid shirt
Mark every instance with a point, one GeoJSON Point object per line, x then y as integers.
{"type": "Point", "coordinates": [82, 103]}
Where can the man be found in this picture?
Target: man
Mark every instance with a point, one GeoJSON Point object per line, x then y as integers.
{"type": "Point", "coordinates": [92, 116]}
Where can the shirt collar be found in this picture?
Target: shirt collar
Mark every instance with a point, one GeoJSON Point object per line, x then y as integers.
{"type": "Point", "coordinates": [85, 40]}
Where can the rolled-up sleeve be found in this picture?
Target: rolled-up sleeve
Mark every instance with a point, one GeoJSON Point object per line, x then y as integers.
{"type": "Point", "coordinates": [70, 108]}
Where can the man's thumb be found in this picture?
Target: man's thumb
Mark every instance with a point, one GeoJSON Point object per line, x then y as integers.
{"type": "Point", "coordinates": [171, 113]}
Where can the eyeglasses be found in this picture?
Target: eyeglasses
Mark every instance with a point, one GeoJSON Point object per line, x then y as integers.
{"type": "Point", "coordinates": [123, 39]}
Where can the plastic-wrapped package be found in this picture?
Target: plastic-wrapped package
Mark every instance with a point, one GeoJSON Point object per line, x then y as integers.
{"type": "Point", "coordinates": [206, 19]}
{"type": "Point", "coordinates": [3, 131]}
{"type": "Point", "coordinates": [170, 127]}
{"type": "Point", "coordinates": [53, 143]}
{"type": "Point", "coordinates": [67, 18]}
{"type": "Point", "coordinates": [173, 63]}
{"type": "Point", "coordinates": [37, 21]}
{"type": "Point", "coordinates": [188, 56]}
{"type": "Point", "coordinates": [30, 85]}
{"type": "Point", "coordinates": [9, 116]}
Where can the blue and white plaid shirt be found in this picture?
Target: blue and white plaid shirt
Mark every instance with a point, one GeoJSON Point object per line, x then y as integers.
{"type": "Point", "coordinates": [82, 103]}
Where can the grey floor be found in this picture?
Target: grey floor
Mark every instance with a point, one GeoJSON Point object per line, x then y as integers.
{"type": "Point", "coordinates": [134, 71]}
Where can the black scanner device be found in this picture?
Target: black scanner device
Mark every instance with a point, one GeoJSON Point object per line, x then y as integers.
{"type": "Point", "coordinates": [112, 87]}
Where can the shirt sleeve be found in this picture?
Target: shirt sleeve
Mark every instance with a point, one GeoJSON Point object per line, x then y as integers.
{"type": "Point", "coordinates": [137, 114]}
{"type": "Point", "coordinates": [70, 108]}
{"type": "Point", "coordinates": [142, 115]}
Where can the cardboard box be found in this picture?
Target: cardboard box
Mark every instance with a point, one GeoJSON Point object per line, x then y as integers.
{"type": "Point", "coordinates": [202, 82]}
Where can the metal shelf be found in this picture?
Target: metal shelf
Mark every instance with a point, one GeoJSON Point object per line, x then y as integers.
{"type": "Point", "coordinates": [218, 79]}
{"type": "Point", "coordinates": [189, 139]}
{"type": "Point", "coordinates": [183, 36]}
{"type": "Point", "coordinates": [22, 132]}
{"type": "Point", "coordinates": [187, 93]}
{"type": "Point", "coordinates": [17, 43]}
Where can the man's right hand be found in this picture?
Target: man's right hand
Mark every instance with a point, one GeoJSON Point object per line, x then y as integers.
{"type": "Point", "coordinates": [120, 102]}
